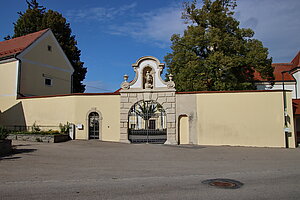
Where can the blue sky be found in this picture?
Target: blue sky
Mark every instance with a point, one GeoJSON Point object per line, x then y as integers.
{"type": "Point", "coordinates": [113, 34]}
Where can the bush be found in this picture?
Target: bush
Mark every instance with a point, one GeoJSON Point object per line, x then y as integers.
{"type": "Point", "coordinates": [64, 128]}
{"type": "Point", "coordinates": [35, 127]}
{"type": "Point", "coordinates": [3, 133]}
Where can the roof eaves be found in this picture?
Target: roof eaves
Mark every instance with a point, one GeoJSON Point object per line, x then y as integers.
{"type": "Point", "coordinates": [275, 81]}
{"type": "Point", "coordinates": [282, 63]}
{"type": "Point", "coordinates": [15, 50]}
{"type": "Point", "coordinates": [72, 94]}
{"type": "Point", "coordinates": [43, 32]}
{"type": "Point", "coordinates": [8, 57]}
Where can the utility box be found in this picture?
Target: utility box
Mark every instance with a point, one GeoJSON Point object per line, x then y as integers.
{"type": "Point", "coordinates": [72, 131]}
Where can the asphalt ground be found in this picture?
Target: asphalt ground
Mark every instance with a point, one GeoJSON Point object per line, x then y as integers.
{"type": "Point", "coordinates": [104, 170]}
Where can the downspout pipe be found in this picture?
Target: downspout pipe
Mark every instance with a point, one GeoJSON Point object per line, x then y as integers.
{"type": "Point", "coordinates": [19, 76]}
{"type": "Point", "coordinates": [286, 132]}
{"type": "Point", "coordinates": [72, 77]}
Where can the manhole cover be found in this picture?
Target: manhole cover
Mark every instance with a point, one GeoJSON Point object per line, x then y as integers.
{"type": "Point", "coordinates": [223, 183]}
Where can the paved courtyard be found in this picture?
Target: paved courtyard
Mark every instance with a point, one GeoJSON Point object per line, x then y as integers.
{"type": "Point", "coordinates": [103, 170]}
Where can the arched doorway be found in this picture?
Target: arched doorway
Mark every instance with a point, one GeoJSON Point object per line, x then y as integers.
{"type": "Point", "coordinates": [147, 123]}
{"type": "Point", "coordinates": [94, 127]}
{"type": "Point", "coordinates": [183, 130]}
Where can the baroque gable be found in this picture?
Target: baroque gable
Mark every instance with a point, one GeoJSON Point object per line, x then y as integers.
{"type": "Point", "coordinates": [148, 71]}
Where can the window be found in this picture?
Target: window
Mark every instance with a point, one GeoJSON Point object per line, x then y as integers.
{"type": "Point", "coordinates": [48, 81]}
{"type": "Point", "coordinates": [49, 48]}
{"type": "Point", "coordinates": [151, 124]}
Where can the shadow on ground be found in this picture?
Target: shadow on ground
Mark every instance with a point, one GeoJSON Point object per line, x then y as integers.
{"type": "Point", "coordinates": [16, 151]}
{"type": "Point", "coordinates": [186, 146]}
{"type": "Point", "coordinates": [20, 151]}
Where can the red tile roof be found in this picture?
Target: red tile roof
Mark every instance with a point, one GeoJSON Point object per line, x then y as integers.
{"type": "Point", "coordinates": [17, 45]}
{"type": "Point", "coordinates": [296, 60]}
{"type": "Point", "coordinates": [296, 106]}
{"type": "Point", "coordinates": [280, 67]}
{"type": "Point", "coordinates": [117, 91]}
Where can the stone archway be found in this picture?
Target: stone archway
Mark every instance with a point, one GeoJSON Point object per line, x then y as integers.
{"type": "Point", "coordinates": [148, 86]}
{"type": "Point", "coordinates": [147, 123]}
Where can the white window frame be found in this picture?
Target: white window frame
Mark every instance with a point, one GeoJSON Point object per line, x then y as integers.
{"type": "Point", "coordinates": [51, 81]}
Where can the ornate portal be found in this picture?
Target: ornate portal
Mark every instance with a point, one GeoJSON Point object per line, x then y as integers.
{"type": "Point", "coordinates": [148, 105]}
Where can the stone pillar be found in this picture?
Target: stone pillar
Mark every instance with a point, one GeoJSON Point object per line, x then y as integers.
{"type": "Point", "coordinates": [124, 109]}
{"type": "Point", "coordinates": [170, 108]}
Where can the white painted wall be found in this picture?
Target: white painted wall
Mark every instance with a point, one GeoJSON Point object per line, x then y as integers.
{"type": "Point", "coordinates": [297, 77]}
{"type": "Point", "coordinates": [287, 86]}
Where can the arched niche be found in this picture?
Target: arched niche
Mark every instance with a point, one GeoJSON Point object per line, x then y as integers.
{"type": "Point", "coordinates": [148, 77]}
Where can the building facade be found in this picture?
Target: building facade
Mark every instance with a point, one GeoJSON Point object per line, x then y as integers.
{"type": "Point", "coordinates": [286, 77]}
{"type": "Point", "coordinates": [146, 109]}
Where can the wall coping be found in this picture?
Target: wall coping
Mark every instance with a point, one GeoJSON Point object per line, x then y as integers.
{"type": "Point", "coordinates": [73, 94]}
{"type": "Point", "coordinates": [151, 91]}
{"type": "Point", "coordinates": [233, 91]}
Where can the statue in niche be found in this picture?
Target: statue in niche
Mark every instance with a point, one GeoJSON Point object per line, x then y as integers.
{"type": "Point", "coordinates": [148, 80]}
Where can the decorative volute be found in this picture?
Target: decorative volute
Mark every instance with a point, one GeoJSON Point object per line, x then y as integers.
{"type": "Point", "coordinates": [148, 72]}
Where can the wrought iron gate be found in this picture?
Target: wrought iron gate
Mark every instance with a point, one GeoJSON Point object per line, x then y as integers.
{"type": "Point", "coordinates": [147, 123]}
{"type": "Point", "coordinates": [93, 125]}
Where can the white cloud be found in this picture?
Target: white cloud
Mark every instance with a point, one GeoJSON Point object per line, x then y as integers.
{"type": "Point", "coordinates": [162, 26]}
{"type": "Point", "coordinates": [98, 13]}
{"type": "Point", "coordinates": [155, 27]}
{"type": "Point", "coordinates": [275, 22]}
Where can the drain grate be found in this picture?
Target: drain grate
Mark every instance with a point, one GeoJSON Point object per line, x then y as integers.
{"type": "Point", "coordinates": [223, 183]}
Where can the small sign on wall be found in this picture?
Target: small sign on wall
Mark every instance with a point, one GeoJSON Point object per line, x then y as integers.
{"type": "Point", "coordinates": [79, 126]}
{"type": "Point", "coordinates": [287, 130]}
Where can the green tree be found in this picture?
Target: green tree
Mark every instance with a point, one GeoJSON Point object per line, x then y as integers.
{"type": "Point", "coordinates": [214, 53]}
{"type": "Point", "coordinates": [146, 110]}
{"type": "Point", "coordinates": [37, 18]}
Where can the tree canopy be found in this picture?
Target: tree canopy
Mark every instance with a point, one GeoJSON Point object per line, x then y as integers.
{"type": "Point", "coordinates": [214, 53]}
{"type": "Point", "coordinates": [37, 18]}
